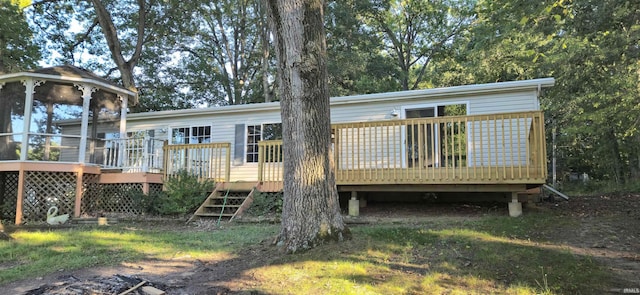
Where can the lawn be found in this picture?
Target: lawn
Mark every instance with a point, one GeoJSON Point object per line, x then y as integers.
{"type": "Point", "coordinates": [450, 255]}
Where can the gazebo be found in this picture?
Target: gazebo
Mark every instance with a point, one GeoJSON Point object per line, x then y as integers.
{"type": "Point", "coordinates": [41, 164]}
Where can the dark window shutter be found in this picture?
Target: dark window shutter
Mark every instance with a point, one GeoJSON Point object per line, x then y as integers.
{"type": "Point", "coordinates": [238, 147]}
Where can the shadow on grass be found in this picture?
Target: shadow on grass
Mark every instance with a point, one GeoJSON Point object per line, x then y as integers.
{"type": "Point", "coordinates": [400, 259]}
{"type": "Point", "coordinates": [487, 256]}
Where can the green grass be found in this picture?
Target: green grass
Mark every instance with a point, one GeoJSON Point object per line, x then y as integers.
{"type": "Point", "coordinates": [36, 253]}
{"type": "Point", "coordinates": [492, 255]}
{"type": "Point", "coordinates": [599, 187]}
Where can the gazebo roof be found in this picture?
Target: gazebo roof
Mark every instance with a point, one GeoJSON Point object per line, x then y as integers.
{"type": "Point", "coordinates": [69, 75]}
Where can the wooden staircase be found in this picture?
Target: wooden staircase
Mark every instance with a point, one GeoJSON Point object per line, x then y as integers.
{"type": "Point", "coordinates": [227, 201]}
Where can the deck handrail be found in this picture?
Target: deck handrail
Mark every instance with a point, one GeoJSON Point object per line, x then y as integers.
{"type": "Point", "coordinates": [136, 154]}
{"type": "Point", "coordinates": [270, 166]}
{"type": "Point", "coordinates": [204, 160]}
{"type": "Point", "coordinates": [495, 148]}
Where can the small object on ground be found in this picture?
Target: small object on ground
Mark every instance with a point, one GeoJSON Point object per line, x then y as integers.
{"type": "Point", "coordinates": [4, 236]}
{"type": "Point", "coordinates": [550, 188]}
{"type": "Point", "coordinates": [53, 218]}
{"type": "Point", "coordinates": [133, 288]}
{"type": "Point", "coordinates": [96, 220]}
{"type": "Point", "coordinates": [148, 290]}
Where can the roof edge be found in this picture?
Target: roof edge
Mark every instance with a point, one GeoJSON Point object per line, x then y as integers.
{"type": "Point", "coordinates": [432, 92]}
{"type": "Point", "coordinates": [16, 77]}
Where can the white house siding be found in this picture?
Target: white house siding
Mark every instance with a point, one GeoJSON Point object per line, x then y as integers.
{"type": "Point", "coordinates": [223, 130]}
{"type": "Point", "coordinates": [478, 150]}
{"type": "Point", "coordinates": [363, 108]}
{"type": "Point", "coordinates": [504, 103]}
{"type": "Point", "coordinates": [500, 142]}
{"type": "Point", "coordinates": [369, 147]}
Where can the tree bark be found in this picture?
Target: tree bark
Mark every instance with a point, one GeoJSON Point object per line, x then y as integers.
{"type": "Point", "coordinates": [311, 211]}
{"type": "Point", "coordinates": [111, 35]}
{"type": "Point", "coordinates": [620, 177]}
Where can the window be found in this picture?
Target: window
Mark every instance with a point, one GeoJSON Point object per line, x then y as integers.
{"type": "Point", "coordinates": [191, 135]}
{"type": "Point", "coordinates": [256, 133]}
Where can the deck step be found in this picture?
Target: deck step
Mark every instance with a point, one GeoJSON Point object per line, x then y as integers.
{"type": "Point", "coordinates": [215, 214]}
{"type": "Point", "coordinates": [222, 206]}
{"type": "Point", "coordinates": [225, 201]}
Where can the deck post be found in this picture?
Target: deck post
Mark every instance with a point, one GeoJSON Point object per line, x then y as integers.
{"type": "Point", "coordinates": [86, 102]}
{"type": "Point", "coordinates": [79, 188]}
{"type": "Point", "coordinates": [145, 187]}
{"type": "Point", "coordinates": [363, 202]}
{"type": "Point", "coordinates": [354, 204]}
{"type": "Point", "coordinates": [20, 197]}
{"type": "Point", "coordinates": [515, 207]}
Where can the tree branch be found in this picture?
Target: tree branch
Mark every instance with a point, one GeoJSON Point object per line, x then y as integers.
{"type": "Point", "coordinates": [142, 15]}
{"type": "Point", "coordinates": [86, 34]}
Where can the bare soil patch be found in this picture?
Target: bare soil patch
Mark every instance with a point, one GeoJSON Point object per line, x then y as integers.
{"type": "Point", "coordinates": [606, 227]}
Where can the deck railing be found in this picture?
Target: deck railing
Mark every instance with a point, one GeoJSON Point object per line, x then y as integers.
{"type": "Point", "coordinates": [204, 160]}
{"type": "Point", "coordinates": [496, 148]}
{"type": "Point", "coordinates": [139, 154]}
{"type": "Point", "coordinates": [270, 160]}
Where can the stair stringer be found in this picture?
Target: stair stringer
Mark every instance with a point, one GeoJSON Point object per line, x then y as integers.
{"type": "Point", "coordinates": [206, 201]}
{"type": "Point", "coordinates": [246, 203]}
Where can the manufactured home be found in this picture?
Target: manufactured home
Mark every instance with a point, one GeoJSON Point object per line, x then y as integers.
{"type": "Point", "coordinates": [473, 138]}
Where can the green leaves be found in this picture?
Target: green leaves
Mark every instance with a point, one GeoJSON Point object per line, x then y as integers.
{"type": "Point", "coordinates": [17, 48]}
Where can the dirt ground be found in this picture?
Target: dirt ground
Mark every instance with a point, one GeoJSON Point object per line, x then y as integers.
{"type": "Point", "coordinates": [606, 228]}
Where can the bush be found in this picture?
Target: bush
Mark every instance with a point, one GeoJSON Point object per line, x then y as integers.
{"type": "Point", "coordinates": [265, 203]}
{"type": "Point", "coordinates": [183, 194]}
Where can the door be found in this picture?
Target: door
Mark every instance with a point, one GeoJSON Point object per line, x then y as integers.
{"type": "Point", "coordinates": [421, 139]}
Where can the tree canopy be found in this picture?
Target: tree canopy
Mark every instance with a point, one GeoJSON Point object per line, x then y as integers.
{"type": "Point", "coordinates": [208, 53]}
{"type": "Point", "coordinates": [18, 51]}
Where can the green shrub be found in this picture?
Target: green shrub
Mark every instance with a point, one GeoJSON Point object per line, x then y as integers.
{"type": "Point", "coordinates": [265, 203]}
{"type": "Point", "coordinates": [183, 194]}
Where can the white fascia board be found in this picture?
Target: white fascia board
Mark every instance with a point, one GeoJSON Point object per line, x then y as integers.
{"type": "Point", "coordinates": [239, 108]}
{"type": "Point", "coordinates": [448, 91]}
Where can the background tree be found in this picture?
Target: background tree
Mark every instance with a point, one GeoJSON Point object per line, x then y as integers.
{"type": "Point", "coordinates": [224, 53]}
{"type": "Point", "coordinates": [356, 60]}
{"type": "Point", "coordinates": [310, 212]}
{"type": "Point", "coordinates": [17, 49]}
{"type": "Point", "coordinates": [592, 50]}
{"type": "Point", "coordinates": [416, 32]}
{"type": "Point", "coordinates": [182, 54]}
{"type": "Point", "coordinates": [17, 52]}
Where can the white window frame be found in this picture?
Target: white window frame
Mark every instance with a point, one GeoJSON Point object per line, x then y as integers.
{"type": "Point", "coordinates": [246, 138]}
{"type": "Point", "coordinates": [172, 128]}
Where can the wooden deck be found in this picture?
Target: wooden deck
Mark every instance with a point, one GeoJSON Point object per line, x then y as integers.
{"type": "Point", "coordinates": [499, 149]}
{"type": "Point", "coordinates": [29, 188]}
{"type": "Point", "coordinates": [204, 160]}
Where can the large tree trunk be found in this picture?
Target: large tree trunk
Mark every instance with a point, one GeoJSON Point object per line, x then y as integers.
{"type": "Point", "coordinates": [311, 211]}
